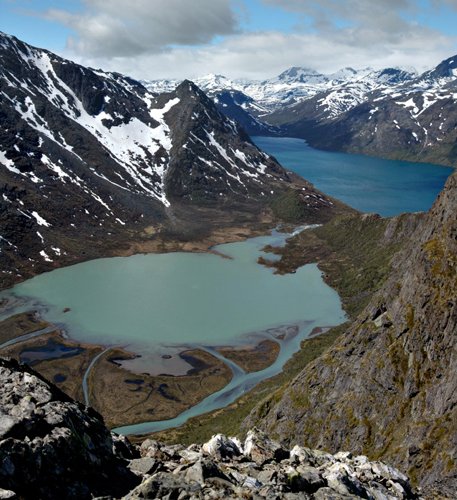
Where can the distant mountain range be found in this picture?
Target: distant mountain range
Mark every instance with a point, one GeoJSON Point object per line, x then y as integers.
{"type": "Point", "coordinates": [93, 161]}
{"type": "Point", "coordinates": [292, 86]}
{"type": "Point", "coordinates": [392, 112]}
{"type": "Point", "coordinates": [411, 119]}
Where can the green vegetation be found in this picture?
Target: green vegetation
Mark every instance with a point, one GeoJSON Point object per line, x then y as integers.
{"type": "Point", "coordinates": [353, 252]}
{"type": "Point", "coordinates": [228, 420]}
{"type": "Point", "coordinates": [410, 317]}
{"type": "Point", "coordinates": [289, 207]}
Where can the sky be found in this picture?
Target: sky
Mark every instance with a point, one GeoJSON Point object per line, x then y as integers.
{"type": "Point", "coordinates": [256, 39]}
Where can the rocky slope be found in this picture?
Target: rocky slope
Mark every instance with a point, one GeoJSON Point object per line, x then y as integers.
{"type": "Point", "coordinates": [88, 156]}
{"type": "Point", "coordinates": [52, 447]}
{"type": "Point", "coordinates": [388, 387]}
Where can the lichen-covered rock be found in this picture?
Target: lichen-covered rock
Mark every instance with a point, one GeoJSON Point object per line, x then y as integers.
{"type": "Point", "coordinates": [261, 449]}
{"type": "Point", "coordinates": [7, 494]}
{"type": "Point", "coordinates": [52, 447]}
{"type": "Point", "coordinates": [221, 447]}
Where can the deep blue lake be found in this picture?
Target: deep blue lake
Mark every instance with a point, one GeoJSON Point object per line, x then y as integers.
{"type": "Point", "coordinates": [387, 187]}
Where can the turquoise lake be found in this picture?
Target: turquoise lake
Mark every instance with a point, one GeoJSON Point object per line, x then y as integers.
{"type": "Point", "coordinates": [161, 304]}
{"type": "Point", "coordinates": [369, 184]}
{"type": "Point", "coordinates": [180, 298]}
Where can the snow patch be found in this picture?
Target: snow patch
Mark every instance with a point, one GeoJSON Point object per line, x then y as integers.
{"type": "Point", "coordinates": [45, 256]}
{"type": "Point", "coordinates": [40, 220]}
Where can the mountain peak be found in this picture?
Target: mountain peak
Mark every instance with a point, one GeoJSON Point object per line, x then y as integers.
{"type": "Point", "coordinates": [450, 65]}
{"type": "Point", "coordinates": [444, 73]}
{"type": "Point", "coordinates": [343, 73]}
{"type": "Point", "coordinates": [188, 86]}
{"type": "Point", "coordinates": [297, 72]}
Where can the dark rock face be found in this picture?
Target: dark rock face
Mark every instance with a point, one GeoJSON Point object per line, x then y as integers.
{"type": "Point", "coordinates": [89, 160]}
{"type": "Point", "coordinates": [53, 447]}
{"type": "Point", "coordinates": [388, 388]}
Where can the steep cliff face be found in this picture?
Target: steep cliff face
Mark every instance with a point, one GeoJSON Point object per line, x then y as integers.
{"type": "Point", "coordinates": [388, 388]}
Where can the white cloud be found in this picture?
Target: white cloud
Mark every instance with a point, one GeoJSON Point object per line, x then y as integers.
{"type": "Point", "coordinates": [151, 39]}
{"type": "Point", "coordinates": [361, 22]}
{"type": "Point", "coordinates": [263, 55]}
{"type": "Point", "coordinates": [448, 3]}
{"type": "Point", "coordinates": [116, 28]}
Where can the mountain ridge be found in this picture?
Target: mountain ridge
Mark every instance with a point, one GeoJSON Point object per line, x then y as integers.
{"type": "Point", "coordinates": [92, 156]}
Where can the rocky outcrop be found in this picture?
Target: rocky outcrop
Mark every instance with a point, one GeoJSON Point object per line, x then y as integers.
{"type": "Point", "coordinates": [261, 468]}
{"type": "Point", "coordinates": [53, 448]}
{"type": "Point", "coordinates": [388, 387]}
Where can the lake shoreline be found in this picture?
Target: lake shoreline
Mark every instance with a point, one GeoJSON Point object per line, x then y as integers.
{"type": "Point", "coordinates": [151, 241]}
{"type": "Point", "coordinates": [252, 353]}
{"type": "Point", "coordinates": [69, 372]}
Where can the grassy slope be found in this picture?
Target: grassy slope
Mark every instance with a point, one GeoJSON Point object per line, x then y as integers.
{"type": "Point", "coordinates": [353, 252]}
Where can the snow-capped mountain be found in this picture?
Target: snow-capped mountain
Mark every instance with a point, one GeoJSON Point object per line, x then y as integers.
{"type": "Point", "coordinates": [338, 97]}
{"type": "Point", "coordinates": [443, 75]}
{"type": "Point", "coordinates": [251, 102]}
{"type": "Point", "coordinates": [292, 86]}
{"type": "Point", "coordinates": [414, 119]}
{"type": "Point", "coordinates": [93, 161]}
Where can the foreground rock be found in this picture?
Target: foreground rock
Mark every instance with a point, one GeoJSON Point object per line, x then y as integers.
{"type": "Point", "coordinates": [53, 448]}
{"type": "Point", "coordinates": [260, 468]}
